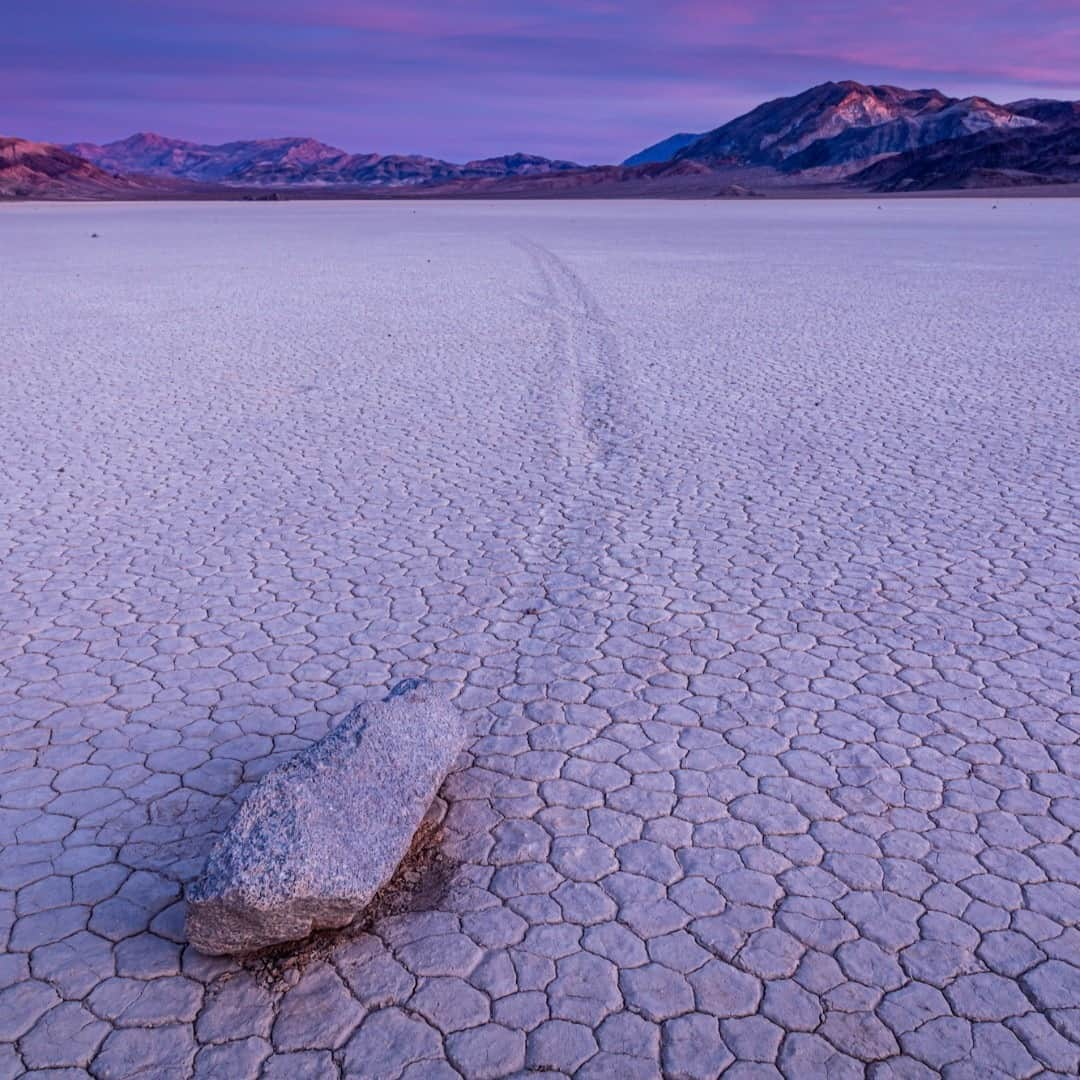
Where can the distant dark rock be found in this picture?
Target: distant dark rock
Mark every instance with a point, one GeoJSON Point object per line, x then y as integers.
{"type": "Point", "coordinates": [320, 835]}
{"type": "Point", "coordinates": [738, 191]}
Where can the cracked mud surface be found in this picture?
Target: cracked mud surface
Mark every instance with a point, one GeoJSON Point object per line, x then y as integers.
{"type": "Point", "coordinates": [747, 535]}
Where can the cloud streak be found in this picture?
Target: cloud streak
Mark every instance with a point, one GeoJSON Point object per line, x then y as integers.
{"type": "Point", "coordinates": [589, 79]}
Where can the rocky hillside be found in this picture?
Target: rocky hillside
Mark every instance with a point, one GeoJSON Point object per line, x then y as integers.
{"type": "Point", "coordinates": [852, 149]}
{"type": "Point", "coordinates": [1029, 157]}
{"type": "Point", "coordinates": [34, 170]}
{"type": "Point", "coordinates": [1046, 110]}
{"type": "Point", "coordinates": [296, 161]}
{"type": "Point", "coordinates": [664, 150]}
{"type": "Point", "coordinates": [148, 154]}
{"type": "Point", "coordinates": [845, 136]}
{"type": "Point", "coordinates": [839, 124]}
{"type": "Point", "coordinates": [839, 137]}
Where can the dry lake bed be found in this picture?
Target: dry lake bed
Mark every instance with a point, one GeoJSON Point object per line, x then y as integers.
{"type": "Point", "coordinates": [746, 534]}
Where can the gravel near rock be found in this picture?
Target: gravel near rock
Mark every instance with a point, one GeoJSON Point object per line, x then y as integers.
{"type": "Point", "coordinates": [321, 834]}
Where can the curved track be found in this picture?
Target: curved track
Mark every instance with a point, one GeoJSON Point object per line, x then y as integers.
{"type": "Point", "coordinates": [745, 534]}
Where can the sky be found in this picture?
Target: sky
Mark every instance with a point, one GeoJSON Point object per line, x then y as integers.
{"type": "Point", "coordinates": [587, 80]}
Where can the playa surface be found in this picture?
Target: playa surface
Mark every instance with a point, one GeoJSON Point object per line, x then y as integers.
{"type": "Point", "coordinates": [746, 534]}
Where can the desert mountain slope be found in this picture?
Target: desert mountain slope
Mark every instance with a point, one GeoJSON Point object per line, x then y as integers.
{"type": "Point", "coordinates": [664, 150]}
{"type": "Point", "coordinates": [295, 161]}
{"type": "Point", "coordinates": [853, 148]}
{"type": "Point", "coordinates": [155, 155]}
{"type": "Point", "coordinates": [838, 124]}
{"type": "Point", "coordinates": [38, 170]}
{"type": "Point", "coordinates": [838, 136]}
{"type": "Point", "coordinates": [985, 159]}
{"type": "Point", "coordinates": [1047, 110]}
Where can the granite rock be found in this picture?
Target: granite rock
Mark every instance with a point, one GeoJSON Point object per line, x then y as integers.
{"type": "Point", "coordinates": [321, 834]}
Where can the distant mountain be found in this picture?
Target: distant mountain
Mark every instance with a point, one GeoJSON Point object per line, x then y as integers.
{"type": "Point", "coordinates": [838, 124]}
{"type": "Point", "coordinates": [1046, 110]}
{"type": "Point", "coordinates": [839, 136]}
{"type": "Point", "coordinates": [853, 148]}
{"type": "Point", "coordinates": [515, 165]}
{"type": "Point", "coordinates": [660, 178]}
{"type": "Point", "coordinates": [664, 150]}
{"type": "Point", "coordinates": [295, 161]}
{"type": "Point", "coordinates": [33, 170]}
{"type": "Point", "coordinates": [883, 137]}
{"type": "Point", "coordinates": [997, 158]}
{"type": "Point", "coordinates": [148, 154]}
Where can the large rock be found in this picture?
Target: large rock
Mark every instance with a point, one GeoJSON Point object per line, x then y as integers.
{"type": "Point", "coordinates": [321, 834]}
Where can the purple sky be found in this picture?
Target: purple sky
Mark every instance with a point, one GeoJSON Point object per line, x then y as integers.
{"type": "Point", "coordinates": [592, 80]}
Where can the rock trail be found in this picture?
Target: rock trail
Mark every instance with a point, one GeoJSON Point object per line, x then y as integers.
{"type": "Point", "coordinates": [747, 543]}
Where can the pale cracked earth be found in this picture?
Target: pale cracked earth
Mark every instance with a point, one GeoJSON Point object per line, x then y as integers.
{"type": "Point", "coordinates": [745, 534]}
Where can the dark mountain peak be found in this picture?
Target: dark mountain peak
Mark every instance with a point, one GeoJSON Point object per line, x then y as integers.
{"type": "Point", "coordinates": [887, 92]}
{"type": "Point", "coordinates": [1034, 154]}
{"type": "Point", "coordinates": [834, 89]}
{"type": "Point", "coordinates": [780, 128]}
{"type": "Point", "coordinates": [984, 105]}
{"type": "Point", "coordinates": [517, 157]}
{"type": "Point", "coordinates": [664, 150]}
{"type": "Point", "coordinates": [1046, 110]}
{"type": "Point", "coordinates": [515, 164]}
{"type": "Point", "coordinates": [280, 143]}
{"type": "Point", "coordinates": [841, 125]}
{"type": "Point", "coordinates": [148, 141]}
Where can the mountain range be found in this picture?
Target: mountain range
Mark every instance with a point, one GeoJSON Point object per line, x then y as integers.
{"type": "Point", "coordinates": [43, 171]}
{"type": "Point", "coordinates": [837, 137]}
{"type": "Point", "coordinates": [275, 162]}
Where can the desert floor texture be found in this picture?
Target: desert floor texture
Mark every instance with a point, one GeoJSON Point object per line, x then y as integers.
{"type": "Point", "coordinates": [745, 534]}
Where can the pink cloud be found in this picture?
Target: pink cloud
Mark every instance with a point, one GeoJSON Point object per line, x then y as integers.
{"type": "Point", "coordinates": [574, 78]}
